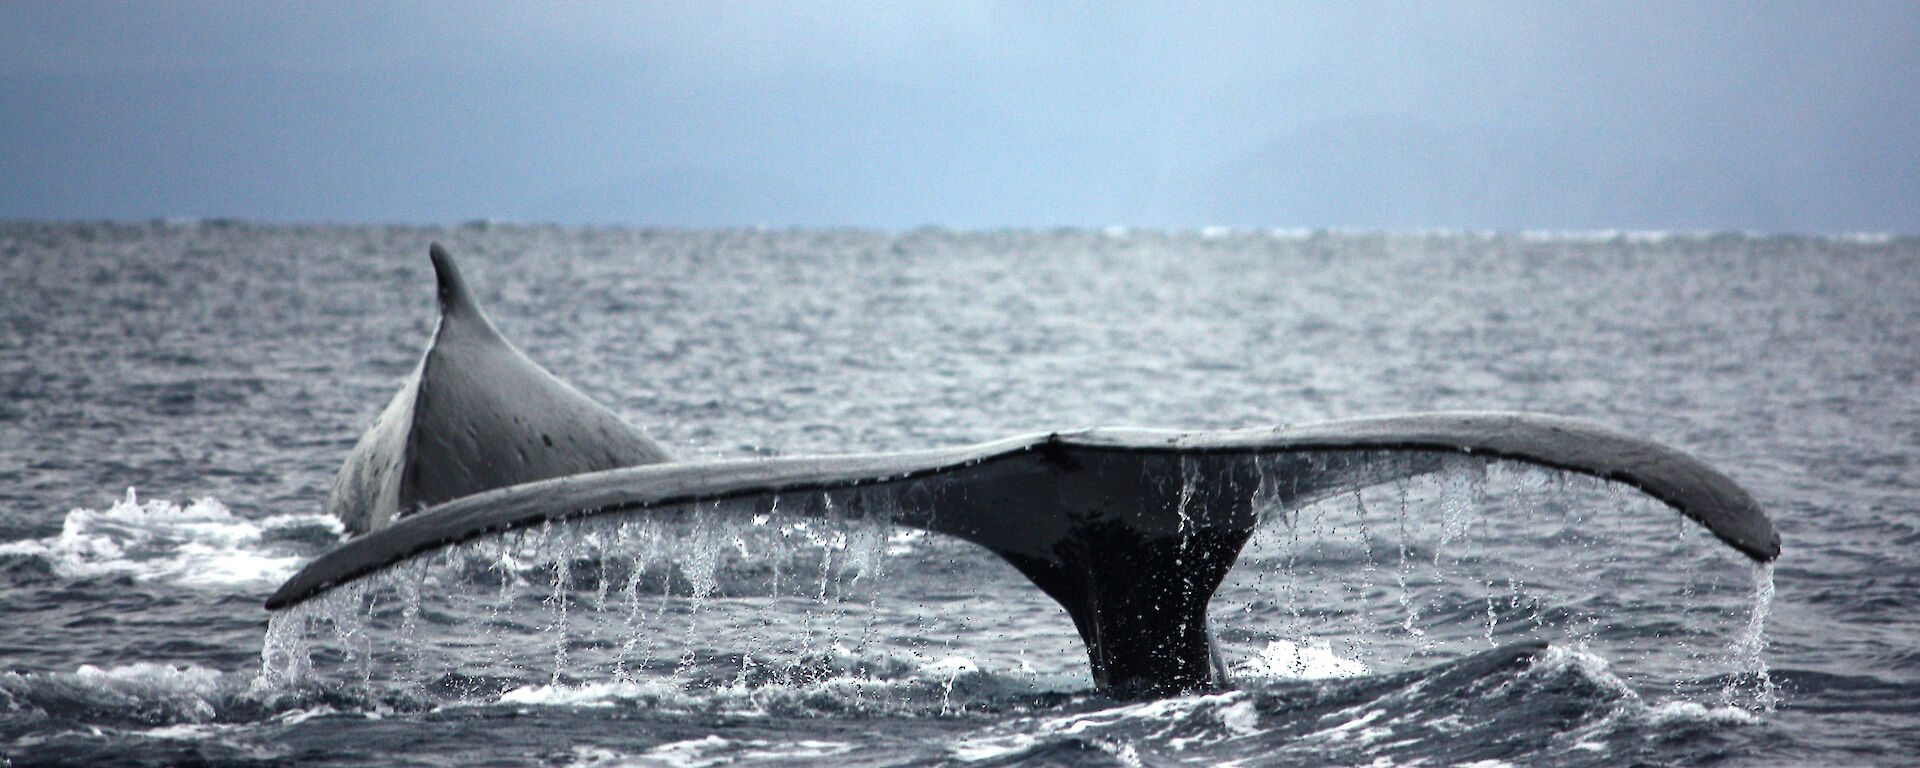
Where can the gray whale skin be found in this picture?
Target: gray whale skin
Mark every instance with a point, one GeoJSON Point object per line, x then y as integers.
{"type": "Point", "coordinates": [481, 440]}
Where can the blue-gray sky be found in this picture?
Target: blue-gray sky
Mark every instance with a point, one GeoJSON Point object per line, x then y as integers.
{"type": "Point", "coordinates": [1709, 115]}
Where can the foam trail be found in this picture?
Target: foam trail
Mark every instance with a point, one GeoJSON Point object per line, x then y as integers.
{"type": "Point", "coordinates": [202, 545]}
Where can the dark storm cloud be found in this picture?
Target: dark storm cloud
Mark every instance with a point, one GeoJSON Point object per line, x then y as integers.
{"type": "Point", "coordinates": [1702, 116]}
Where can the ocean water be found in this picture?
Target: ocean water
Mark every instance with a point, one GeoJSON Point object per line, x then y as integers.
{"type": "Point", "coordinates": [175, 398]}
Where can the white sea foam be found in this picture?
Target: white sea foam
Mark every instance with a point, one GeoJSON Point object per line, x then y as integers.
{"type": "Point", "coordinates": [1563, 659]}
{"type": "Point", "coordinates": [1630, 707]}
{"type": "Point", "coordinates": [1288, 660]}
{"type": "Point", "coordinates": [908, 682]}
{"type": "Point", "coordinates": [988, 748]}
{"type": "Point", "coordinates": [1182, 723]}
{"type": "Point", "coordinates": [145, 690]}
{"type": "Point", "coordinates": [1357, 729]}
{"type": "Point", "coordinates": [1240, 717]}
{"type": "Point", "coordinates": [202, 544]}
{"type": "Point", "coordinates": [186, 732]}
{"type": "Point", "coordinates": [1671, 712]}
{"type": "Point", "coordinates": [712, 750]}
{"type": "Point", "coordinates": [592, 694]}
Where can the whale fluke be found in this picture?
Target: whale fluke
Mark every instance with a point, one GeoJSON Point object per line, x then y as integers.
{"type": "Point", "coordinates": [1130, 530]}
{"type": "Point", "coordinates": [474, 415]}
{"type": "Point", "coordinates": [1099, 519]}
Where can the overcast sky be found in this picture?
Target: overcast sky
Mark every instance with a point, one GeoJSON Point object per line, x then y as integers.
{"type": "Point", "coordinates": [1723, 115]}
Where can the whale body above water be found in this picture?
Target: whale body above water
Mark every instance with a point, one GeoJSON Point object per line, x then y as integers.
{"type": "Point", "coordinates": [1130, 530]}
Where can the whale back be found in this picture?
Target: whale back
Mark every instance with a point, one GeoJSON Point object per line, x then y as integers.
{"type": "Point", "coordinates": [476, 414]}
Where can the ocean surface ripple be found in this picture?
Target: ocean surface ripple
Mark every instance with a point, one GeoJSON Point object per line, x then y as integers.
{"type": "Point", "coordinates": [175, 397]}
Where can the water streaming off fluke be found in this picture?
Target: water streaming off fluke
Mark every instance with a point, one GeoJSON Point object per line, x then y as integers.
{"type": "Point", "coordinates": [777, 603]}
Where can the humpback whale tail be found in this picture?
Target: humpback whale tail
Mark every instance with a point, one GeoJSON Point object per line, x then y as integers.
{"type": "Point", "coordinates": [1131, 531]}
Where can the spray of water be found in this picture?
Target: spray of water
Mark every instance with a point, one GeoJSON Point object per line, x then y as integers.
{"type": "Point", "coordinates": [739, 596]}
{"type": "Point", "coordinates": [1751, 687]}
{"type": "Point", "coordinates": [606, 599]}
{"type": "Point", "coordinates": [1481, 553]}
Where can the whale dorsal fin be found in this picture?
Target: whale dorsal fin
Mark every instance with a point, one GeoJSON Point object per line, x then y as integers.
{"type": "Point", "coordinates": [455, 297]}
{"type": "Point", "coordinates": [475, 415]}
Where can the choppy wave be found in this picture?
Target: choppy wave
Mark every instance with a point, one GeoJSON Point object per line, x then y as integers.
{"type": "Point", "coordinates": [202, 544]}
{"type": "Point", "coordinates": [1485, 707]}
{"type": "Point", "coordinates": [135, 693]}
{"type": "Point", "coordinates": [1786, 360]}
